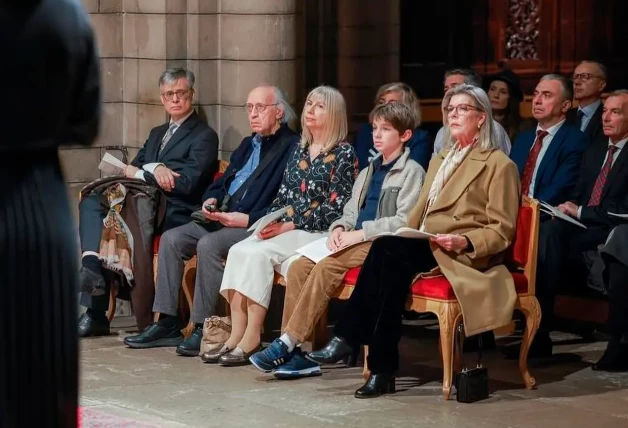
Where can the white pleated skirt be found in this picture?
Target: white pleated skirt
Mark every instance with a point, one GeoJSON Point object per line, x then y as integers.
{"type": "Point", "coordinates": [251, 263]}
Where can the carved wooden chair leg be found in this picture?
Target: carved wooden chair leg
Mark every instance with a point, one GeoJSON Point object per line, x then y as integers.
{"type": "Point", "coordinates": [532, 311]}
{"type": "Point", "coordinates": [366, 373]}
{"type": "Point", "coordinates": [449, 317]}
{"type": "Point", "coordinates": [188, 329]}
{"type": "Point", "coordinates": [111, 310]}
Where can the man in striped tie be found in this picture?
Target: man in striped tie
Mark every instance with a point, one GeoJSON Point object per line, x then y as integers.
{"type": "Point", "coordinates": [601, 189]}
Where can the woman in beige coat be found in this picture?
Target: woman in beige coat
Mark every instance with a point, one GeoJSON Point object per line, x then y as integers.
{"type": "Point", "coordinates": [470, 201]}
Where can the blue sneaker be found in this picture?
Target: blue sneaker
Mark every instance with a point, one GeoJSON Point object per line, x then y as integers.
{"type": "Point", "coordinates": [273, 356]}
{"type": "Point", "coordinates": [297, 367]}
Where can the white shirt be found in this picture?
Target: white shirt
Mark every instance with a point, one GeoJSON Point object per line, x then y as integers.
{"type": "Point", "coordinates": [552, 130]}
{"type": "Point", "coordinates": [150, 167]}
{"type": "Point", "coordinates": [588, 111]}
{"type": "Point", "coordinates": [503, 141]}
{"type": "Point", "coordinates": [620, 146]}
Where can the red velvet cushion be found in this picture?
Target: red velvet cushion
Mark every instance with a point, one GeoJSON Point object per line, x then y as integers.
{"type": "Point", "coordinates": [440, 288]}
{"type": "Point", "coordinates": [218, 175]}
{"type": "Point", "coordinates": [518, 251]}
{"type": "Point", "coordinates": [351, 277]}
{"type": "Point", "coordinates": [156, 240]}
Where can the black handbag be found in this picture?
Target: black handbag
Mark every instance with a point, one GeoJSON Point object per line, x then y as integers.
{"type": "Point", "coordinates": [471, 384]}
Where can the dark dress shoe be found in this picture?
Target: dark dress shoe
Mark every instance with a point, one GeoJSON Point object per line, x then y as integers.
{"type": "Point", "coordinates": [615, 358]}
{"type": "Point", "coordinates": [237, 357]}
{"type": "Point", "coordinates": [378, 384]}
{"type": "Point", "coordinates": [212, 357]}
{"type": "Point", "coordinates": [541, 348]}
{"type": "Point", "coordinates": [191, 346]}
{"type": "Point", "coordinates": [92, 282]}
{"type": "Point", "coordinates": [154, 336]}
{"type": "Point", "coordinates": [336, 350]}
{"type": "Point", "coordinates": [90, 325]}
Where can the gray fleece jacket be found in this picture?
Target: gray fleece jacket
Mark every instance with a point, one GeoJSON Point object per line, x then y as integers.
{"type": "Point", "coordinates": [400, 192]}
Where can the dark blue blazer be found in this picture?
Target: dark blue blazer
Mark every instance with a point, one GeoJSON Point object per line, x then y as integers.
{"type": "Point", "coordinates": [421, 146]}
{"type": "Point", "coordinates": [558, 171]}
{"type": "Point", "coordinates": [262, 191]}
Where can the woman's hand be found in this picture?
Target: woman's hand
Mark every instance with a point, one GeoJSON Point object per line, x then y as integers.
{"type": "Point", "coordinates": [349, 238]}
{"type": "Point", "coordinates": [275, 229]}
{"type": "Point", "coordinates": [333, 242]}
{"type": "Point", "coordinates": [451, 242]}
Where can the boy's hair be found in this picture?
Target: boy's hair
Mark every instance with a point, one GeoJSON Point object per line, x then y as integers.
{"type": "Point", "coordinates": [398, 115]}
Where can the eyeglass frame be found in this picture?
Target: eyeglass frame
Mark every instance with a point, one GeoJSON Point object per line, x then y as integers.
{"type": "Point", "coordinates": [259, 107]}
{"type": "Point", "coordinates": [584, 77]}
{"type": "Point", "coordinates": [470, 107]}
{"type": "Point", "coordinates": [182, 94]}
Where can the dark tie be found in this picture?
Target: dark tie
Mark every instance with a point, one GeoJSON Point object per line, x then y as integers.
{"type": "Point", "coordinates": [579, 119]}
{"type": "Point", "coordinates": [528, 169]}
{"type": "Point", "coordinates": [596, 193]}
{"type": "Point", "coordinates": [173, 127]}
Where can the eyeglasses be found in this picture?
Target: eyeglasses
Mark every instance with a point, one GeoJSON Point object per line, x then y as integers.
{"type": "Point", "coordinates": [181, 94]}
{"type": "Point", "coordinates": [258, 107]}
{"type": "Point", "coordinates": [585, 77]}
{"type": "Point", "coordinates": [460, 109]}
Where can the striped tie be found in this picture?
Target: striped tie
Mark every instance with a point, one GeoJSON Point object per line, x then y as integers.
{"type": "Point", "coordinates": [168, 136]}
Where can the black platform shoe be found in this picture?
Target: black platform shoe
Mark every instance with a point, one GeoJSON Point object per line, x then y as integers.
{"type": "Point", "coordinates": [336, 350]}
{"type": "Point", "coordinates": [378, 384]}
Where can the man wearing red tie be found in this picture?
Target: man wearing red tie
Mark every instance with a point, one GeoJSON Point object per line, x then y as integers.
{"type": "Point", "coordinates": [601, 188]}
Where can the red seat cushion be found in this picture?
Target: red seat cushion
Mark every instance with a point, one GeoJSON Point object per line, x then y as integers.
{"type": "Point", "coordinates": [518, 250]}
{"type": "Point", "coordinates": [156, 240]}
{"type": "Point", "coordinates": [438, 287]}
{"type": "Point", "coordinates": [217, 175]}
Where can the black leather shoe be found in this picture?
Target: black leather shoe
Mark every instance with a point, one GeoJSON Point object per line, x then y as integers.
{"type": "Point", "coordinates": [336, 350]}
{"type": "Point", "coordinates": [191, 346]}
{"type": "Point", "coordinates": [378, 384]}
{"type": "Point", "coordinates": [154, 336]}
{"type": "Point", "coordinates": [541, 348]}
{"type": "Point", "coordinates": [92, 282]}
{"type": "Point", "coordinates": [90, 325]}
{"type": "Point", "coordinates": [615, 358]}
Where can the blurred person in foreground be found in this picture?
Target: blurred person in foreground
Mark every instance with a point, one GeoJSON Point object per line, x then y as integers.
{"type": "Point", "coordinates": [52, 98]}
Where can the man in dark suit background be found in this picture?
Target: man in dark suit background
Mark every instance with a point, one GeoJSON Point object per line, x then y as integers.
{"type": "Point", "coordinates": [589, 82]}
{"type": "Point", "coordinates": [181, 157]}
{"type": "Point", "coordinates": [602, 188]}
{"type": "Point", "coordinates": [51, 69]}
{"type": "Point", "coordinates": [548, 158]}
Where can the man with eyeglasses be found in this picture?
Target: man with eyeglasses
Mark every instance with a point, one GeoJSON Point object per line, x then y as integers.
{"type": "Point", "coordinates": [231, 205]}
{"type": "Point", "coordinates": [180, 157]}
{"type": "Point", "coordinates": [589, 82]}
{"type": "Point", "coordinates": [548, 157]}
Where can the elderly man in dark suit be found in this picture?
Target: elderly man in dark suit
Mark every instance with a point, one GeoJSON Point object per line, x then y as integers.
{"type": "Point", "coordinates": [180, 157]}
{"type": "Point", "coordinates": [548, 158]}
{"type": "Point", "coordinates": [589, 82]}
{"type": "Point", "coordinates": [601, 189]}
{"type": "Point", "coordinates": [51, 70]}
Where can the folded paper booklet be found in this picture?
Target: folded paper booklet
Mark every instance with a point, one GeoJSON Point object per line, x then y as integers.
{"type": "Point", "coordinates": [257, 227]}
{"type": "Point", "coordinates": [317, 250]}
{"type": "Point", "coordinates": [111, 165]}
{"type": "Point", "coordinates": [555, 212]}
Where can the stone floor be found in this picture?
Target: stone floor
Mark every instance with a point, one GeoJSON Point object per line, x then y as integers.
{"type": "Point", "coordinates": [156, 388]}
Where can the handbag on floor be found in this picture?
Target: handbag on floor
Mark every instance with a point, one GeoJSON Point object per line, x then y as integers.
{"type": "Point", "coordinates": [216, 331]}
{"type": "Point", "coordinates": [471, 384]}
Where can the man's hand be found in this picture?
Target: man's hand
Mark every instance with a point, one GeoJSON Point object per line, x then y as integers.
{"type": "Point", "coordinates": [233, 219]}
{"type": "Point", "coordinates": [275, 229]}
{"type": "Point", "coordinates": [450, 242]}
{"type": "Point", "coordinates": [569, 208]}
{"type": "Point", "coordinates": [130, 171]}
{"type": "Point", "coordinates": [165, 177]}
{"type": "Point", "coordinates": [209, 215]}
{"type": "Point", "coordinates": [333, 242]}
{"type": "Point", "coordinates": [353, 237]}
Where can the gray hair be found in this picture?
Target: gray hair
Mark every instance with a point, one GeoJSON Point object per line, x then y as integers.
{"type": "Point", "coordinates": [618, 93]}
{"type": "Point", "coordinates": [602, 67]}
{"type": "Point", "coordinates": [566, 89]}
{"type": "Point", "coordinates": [487, 137]}
{"type": "Point", "coordinates": [289, 115]}
{"type": "Point", "coordinates": [171, 75]}
{"type": "Point", "coordinates": [470, 76]}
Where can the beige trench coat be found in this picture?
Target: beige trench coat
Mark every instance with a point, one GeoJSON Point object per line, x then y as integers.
{"type": "Point", "coordinates": [481, 202]}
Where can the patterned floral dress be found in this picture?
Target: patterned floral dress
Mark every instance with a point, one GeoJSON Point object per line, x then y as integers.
{"type": "Point", "coordinates": [317, 190]}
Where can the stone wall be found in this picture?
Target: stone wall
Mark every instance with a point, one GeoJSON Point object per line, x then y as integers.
{"type": "Point", "coordinates": [231, 46]}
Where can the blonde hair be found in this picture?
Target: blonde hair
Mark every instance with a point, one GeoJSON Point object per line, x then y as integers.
{"type": "Point", "coordinates": [486, 134]}
{"type": "Point", "coordinates": [336, 127]}
{"type": "Point", "coordinates": [408, 97]}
